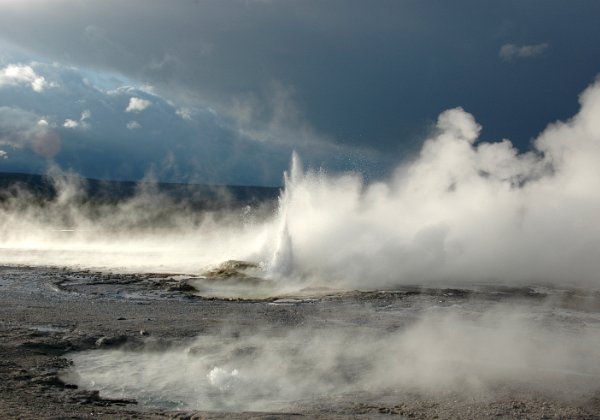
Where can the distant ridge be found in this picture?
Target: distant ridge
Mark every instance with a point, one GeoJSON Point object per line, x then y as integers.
{"type": "Point", "coordinates": [198, 195]}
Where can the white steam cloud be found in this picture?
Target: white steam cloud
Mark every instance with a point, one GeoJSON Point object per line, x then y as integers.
{"type": "Point", "coordinates": [444, 351]}
{"type": "Point", "coordinates": [463, 211]}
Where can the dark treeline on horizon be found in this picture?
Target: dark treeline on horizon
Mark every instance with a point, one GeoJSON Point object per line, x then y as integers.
{"type": "Point", "coordinates": [44, 187]}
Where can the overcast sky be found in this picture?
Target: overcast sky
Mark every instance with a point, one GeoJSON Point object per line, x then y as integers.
{"type": "Point", "coordinates": [223, 91]}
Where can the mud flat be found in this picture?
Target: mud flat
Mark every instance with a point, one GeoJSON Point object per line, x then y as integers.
{"type": "Point", "coordinates": [50, 316]}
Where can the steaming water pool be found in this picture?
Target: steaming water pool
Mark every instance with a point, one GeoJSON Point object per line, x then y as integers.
{"type": "Point", "coordinates": [430, 344]}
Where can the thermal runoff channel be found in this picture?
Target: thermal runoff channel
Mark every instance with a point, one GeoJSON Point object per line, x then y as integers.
{"type": "Point", "coordinates": [463, 210]}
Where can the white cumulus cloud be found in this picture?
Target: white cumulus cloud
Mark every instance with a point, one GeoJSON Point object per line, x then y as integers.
{"type": "Point", "coordinates": [508, 52]}
{"type": "Point", "coordinates": [3, 154]}
{"type": "Point", "coordinates": [81, 123]}
{"type": "Point", "coordinates": [134, 125]}
{"type": "Point", "coordinates": [70, 123]}
{"type": "Point", "coordinates": [16, 74]}
{"type": "Point", "coordinates": [184, 113]}
{"type": "Point", "coordinates": [137, 105]}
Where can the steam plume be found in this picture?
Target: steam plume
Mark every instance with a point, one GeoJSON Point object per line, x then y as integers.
{"type": "Point", "coordinates": [446, 351]}
{"type": "Point", "coordinates": [464, 210]}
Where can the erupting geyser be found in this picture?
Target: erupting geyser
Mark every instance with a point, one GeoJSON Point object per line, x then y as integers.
{"type": "Point", "coordinates": [463, 211]}
{"type": "Point", "coordinates": [282, 262]}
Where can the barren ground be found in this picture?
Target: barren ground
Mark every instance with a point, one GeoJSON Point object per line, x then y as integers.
{"type": "Point", "coordinates": [47, 313]}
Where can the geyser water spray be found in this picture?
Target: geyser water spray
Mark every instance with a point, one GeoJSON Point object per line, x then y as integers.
{"type": "Point", "coordinates": [282, 261]}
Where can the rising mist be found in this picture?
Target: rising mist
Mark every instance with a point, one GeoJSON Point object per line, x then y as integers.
{"type": "Point", "coordinates": [462, 211]}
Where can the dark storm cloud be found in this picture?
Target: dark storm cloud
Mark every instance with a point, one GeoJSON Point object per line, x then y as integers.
{"type": "Point", "coordinates": [368, 74]}
{"type": "Point", "coordinates": [102, 127]}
